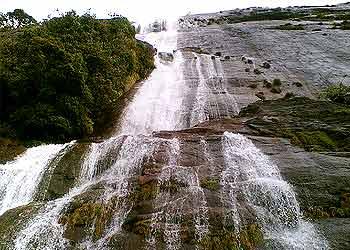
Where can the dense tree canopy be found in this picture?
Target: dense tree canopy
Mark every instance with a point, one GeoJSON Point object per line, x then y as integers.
{"type": "Point", "coordinates": [61, 78]}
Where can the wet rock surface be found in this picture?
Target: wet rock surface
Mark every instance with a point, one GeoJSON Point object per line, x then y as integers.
{"type": "Point", "coordinates": [302, 56]}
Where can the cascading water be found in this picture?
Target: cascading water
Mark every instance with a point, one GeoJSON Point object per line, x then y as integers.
{"type": "Point", "coordinates": [19, 179]}
{"type": "Point", "coordinates": [158, 104]}
{"type": "Point", "coordinates": [212, 100]}
{"type": "Point", "coordinates": [250, 174]}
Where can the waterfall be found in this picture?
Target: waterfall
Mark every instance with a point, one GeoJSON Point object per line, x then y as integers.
{"type": "Point", "coordinates": [158, 104]}
{"type": "Point", "coordinates": [170, 211]}
{"type": "Point", "coordinates": [212, 99]}
{"type": "Point", "coordinates": [248, 178]}
{"type": "Point", "coordinates": [19, 179]}
{"type": "Point", "coordinates": [252, 175]}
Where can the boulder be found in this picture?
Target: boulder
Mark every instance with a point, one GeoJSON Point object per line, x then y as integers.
{"type": "Point", "coordinates": [166, 56]}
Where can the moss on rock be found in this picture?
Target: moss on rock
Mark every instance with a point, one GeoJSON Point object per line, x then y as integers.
{"type": "Point", "coordinates": [248, 238]}
{"type": "Point", "coordinates": [311, 124]}
{"type": "Point", "coordinates": [12, 221]}
{"type": "Point", "coordinates": [210, 184]}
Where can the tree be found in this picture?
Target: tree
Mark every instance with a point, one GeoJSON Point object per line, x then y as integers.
{"type": "Point", "coordinates": [16, 19]}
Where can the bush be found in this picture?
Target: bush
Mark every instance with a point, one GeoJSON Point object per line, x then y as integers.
{"type": "Point", "coordinates": [276, 82]}
{"type": "Point", "coordinates": [337, 93]}
{"type": "Point", "coordinates": [63, 77]}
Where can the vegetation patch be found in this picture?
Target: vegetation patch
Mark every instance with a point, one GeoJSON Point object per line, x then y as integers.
{"type": "Point", "coordinates": [311, 124]}
{"type": "Point", "coordinates": [88, 218]}
{"type": "Point", "coordinates": [337, 93]}
{"type": "Point", "coordinates": [248, 238]}
{"type": "Point", "coordinates": [341, 210]}
{"type": "Point", "coordinates": [62, 78]}
{"type": "Point", "coordinates": [171, 186]}
{"type": "Point", "coordinates": [210, 184]}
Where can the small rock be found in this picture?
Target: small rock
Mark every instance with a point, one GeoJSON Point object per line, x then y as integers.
{"type": "Point", "coordinates": [253, 85]}
{"type": "Point", "coordinates": [257, 71]}
{"type": "Point", "coordinates": [324, 34]}
{"type": "Point", "coordinates": [298, 84]}
{"type": "Point", "coordinates": [227, 57]}
{"type": "Point", "coordinates": [267, 84]}
{"type": "Point", "coordinates": [266, 65]}
{"type": "Point", "coordinates": [213, 57]}
{"type": "Point", "coordinates": [243, 58]}
{"type": "Point", "coordinates": [218, 53]}
{"type": "Point", "coordinates": [144, 179]}
{"type": "Point", "coordinates": [250, 61]}
{"type": "Point", "coordinates": [166, 56]}
{"type": "Point", "coordinates": [247, 70]}
{"type": "Point", "coordinates": [260, 95]}
{"type": "Point", "coordinates": [276, 82]}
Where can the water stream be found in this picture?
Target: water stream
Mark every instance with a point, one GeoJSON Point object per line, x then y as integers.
{"type": "Point", "coordinates": [19, 179]}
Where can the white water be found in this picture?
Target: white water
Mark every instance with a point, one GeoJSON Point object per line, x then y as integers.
{"type": "Point", "coordinates": [19, 179]}
{"type": "Point", "coordinates": [251, 174]}
{"type": "Point", "coordinates": [158, 104]}
{"type": "Point", "coordinates": [212, 100]}
{"type": "Point", "coordinates": [171, 207]}
{"type": "Point", "coordinates": [44, 230]}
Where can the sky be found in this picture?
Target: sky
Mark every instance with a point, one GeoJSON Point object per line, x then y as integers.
{"type": "Point", "coordinates": [142, 11]}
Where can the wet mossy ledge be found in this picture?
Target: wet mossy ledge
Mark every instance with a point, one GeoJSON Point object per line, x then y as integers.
{"type": "Point", "coordinates": [62, 78]}
{"type": "Point", "coordinates": [314, 125]}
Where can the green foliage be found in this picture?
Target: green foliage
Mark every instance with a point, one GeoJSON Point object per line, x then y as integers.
{"type": "Point", "coordinates": [210, 184]}
{"type": "Point", "coordinates": [276, 82]}
{"type": "Point", "coordinates": [62, 78]}
{"type": "Point", "coordinates": [314, 141]}
{"type": "Point", "coordinates": [337, 93]}
{"type": "Point", "coordinates": [16, 19]}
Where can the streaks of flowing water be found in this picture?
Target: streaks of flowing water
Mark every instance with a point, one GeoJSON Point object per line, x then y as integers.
{"type": "Point", "coordinates": [19, 179]}
{"type": "Point", "coordinates": [158, 104]}
{"type": "Point", "coordinates": [44, 230]}
{"type": "Point", "coordinates": [171, 210]}
{"type": "Point", "coordinates": [116, 179]}
{"type": "Point", "coordinates": [212, 101]}
{"type": "Point", "coordinates": [251, 174]}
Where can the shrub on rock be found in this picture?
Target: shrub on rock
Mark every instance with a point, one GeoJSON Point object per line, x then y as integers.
{"type": "Point", "coordinates": [337, 93]}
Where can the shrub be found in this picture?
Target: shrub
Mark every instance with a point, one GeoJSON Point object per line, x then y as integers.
{"type": "Point", "coordinates": [337, 93]}
{"type": "Point", "coordinates": [276, 82]}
